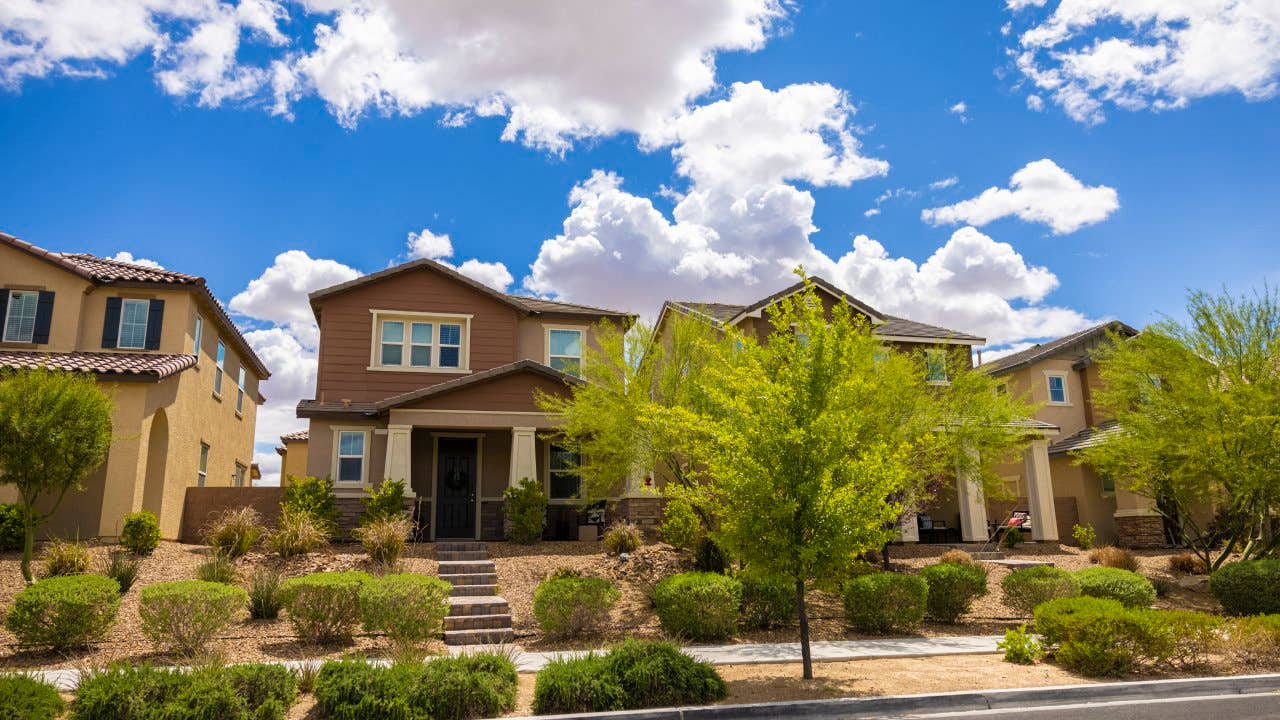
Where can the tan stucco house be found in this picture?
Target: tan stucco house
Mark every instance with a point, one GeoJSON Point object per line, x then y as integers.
{"type": "Point", "coordinates": [183, 379]}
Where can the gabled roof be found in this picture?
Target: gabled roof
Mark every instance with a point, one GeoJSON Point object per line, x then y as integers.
{"type": "Point", "coordinates": [105, 271]}
{"type": "Point", "coordinates": [1062, 345]}
{"type": "Point", "coordinates": [296, 436]}
{"type": "Point", "coordinates": [756, 307]}
{"type": "Point", "coordinates": [124, 365]}
{"type": "Point", "coordinates": [1086, 438]}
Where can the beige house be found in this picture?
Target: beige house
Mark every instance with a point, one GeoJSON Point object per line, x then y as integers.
{"type": "Point", "coordinates": [183, 379]}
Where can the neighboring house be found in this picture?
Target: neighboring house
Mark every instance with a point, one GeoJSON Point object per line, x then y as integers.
{"type": "Point", "coordinates": [293, 455]}
{"type": "Point", "coordinates": [183, 379]}
{"type": "Point", "coordinates": [427, 376]}
{"type": "Point", "coordinates": [1062, 377]}
{"type": "Point", "coordinates": [959, 514]}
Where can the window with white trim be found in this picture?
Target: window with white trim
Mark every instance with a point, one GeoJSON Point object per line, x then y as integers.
{"type": "Point", "coordinates": [202, 473]}
{"type": "Point", "coordinates": [240, 391]}
{"type": "Point", "coordinates": [221, 359]}
{"type": "Point", "coordinates": [935, 365]}
{"type": "Point", "coordinates": [419, 341]}
{"type": "Point", "coordinates": [350, 456]}
{"type": "Point", "coordinates": [133, 323]}
{"type": "Point", "coordinates": [450, 345]}
{"type": "Point", "coordinates": [1057, 384]}
{"type": "Point", "coordinates": [563, 480]}
{"type": "Point", "coordinates": [564, 350]}
{"type": "Point", "coordinates": [20, 320]}
{"type": "Point", "coordinates": [420, 335]}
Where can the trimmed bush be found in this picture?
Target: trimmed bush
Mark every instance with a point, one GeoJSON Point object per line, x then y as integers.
{"type": "Point", "coordinates": [184, 616]}
{"type": "Point", "coordinates": [952, 589]}
{"type": "Point", "coordinates": [239, 692]}
{"type": "Point", "coordinates": [1114, 557]}
{"type": "Point", "coordinates": [1255, 641]}
{"type": "Point", "coordinates": [1026, 589]}
{"type": "Point", "coordinates": [477, 685]}
{"type": "Point", "coordinates": [681, 526]}
{"type": "Point", "coordinates": [448, 688]}
{"type": "Point", "coordinates": [526, 507]}
{"type": "Point", "coordinates": [568, 607]}
{"type": "Point", "coordinates": [1020, 647]}
{"type": "Point", "coordinates": [409, 609]}
{"type": "Point", "coordinates": [1100, 638]}
{"type": "Point", "coordinates": [121, 567]}
{"type": "Point", "coordinates": [1110, 645]}
{"type": "Point", "coordinates": [63, 558]}
{"type": "Point", "coordinates": [218, 569]}
{"type": "Point", "coordinates": [296, 533]}
{"type": "Point", "coordinates": [313, 496]}
{"type": "Point", "coordinates": [577, 685]}
{"type": "Point", "coordinates": [622, 537]}
{"type": "Point", "coordinates": [384, 539]}
{"type": "Point", "coordinates": [231, 533]}
{"type": "Point", "coordinates": [957, 557]}
{"type": "Point", "coordinates": [140, 533]}
{"type": "Point", "coordinates": [269, 690]}
{"type": "Point", "coordinates": [767, 601]}
{"type": "Point", "coordinates": [698, 605]}
{"type": "Point", "coordinates": [324, 607]}
{"type": "Point", "coordinates": [1248, 588]}
{"type": "Point", "coordinates": [885, 602]}
{"type": "Point", "coordinates": [1182, 638]}
{"type": "Point", "coordinates": [25, 698]}
{"type": "Point", "coordinates": [1085, 536]}
{"type": "Point", "coordinates": [1128, 587]}
{"type": "Point", "coordinates": [384, 502]}
{"type": "Point", "coordinates": [12, 532]}
{"type": "Point", "coordinates": [1012, 538]}
{"type": "Point", "coordinates": [64, 612]}
{"type": "Point", "coordinates": [1056, 620]}
{"type": "Point", "coordinates": [636, 674]}
{"type": "Point", "coordinates": [1188, 564]}
{"type": "Point", "coordinates": [265, 597]}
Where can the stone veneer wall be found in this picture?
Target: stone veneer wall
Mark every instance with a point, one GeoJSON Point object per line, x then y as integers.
{"type": "Point", "coordinates": [1140, 531]}
{"type": "Point", "coordinates": [646, 512]}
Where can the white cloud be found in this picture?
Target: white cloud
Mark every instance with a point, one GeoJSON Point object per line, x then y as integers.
{"type": "Point", "coordinates": [427, 244]}
{"type": "Point", "coordinates": [293, 377]}
{"type": "Point", "coordinates": [1040, 192]}
{"type": "Point", "coordinates": [438, 247]}
{"type": "Point", "coordinates": [871, 212]}
{"type": "Point", "coordinates": [990, 354]}
{"type": "Point", "coordinates": [1035, 103]}
{"type": "Point", "coordinates": [279, 294]}
{"type": "Point", "coordinates": [269, 464]}
{"type": "Point", "coordinates": [944, 183]}
{"type": "Point", "coordinates": [127, 257]}
{"type": "Point", "coordinates": [1150, 54]}
{"type": "Point", "coordinates": [493, 274]}
{"type": "Point", "coordinates": [959, 108]}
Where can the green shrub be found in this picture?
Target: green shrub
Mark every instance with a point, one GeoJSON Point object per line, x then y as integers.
{"type": "Point", "coordinates": [296, 533]}
{"type": "Point", "coordinates": [1114, 557]}
{"type": "Point", "coordinates": [885, 602]}
{"type": "Point", "coordinates": [1104, 638]}
{"type": "Point", "coordinates": [573, 606]}
{"type": "Point", "coordinates": [185, 615]}
{"type": "Point", "coordinates": [121, 567]}
{"type": "Point", "coordinates": [1182, 638]}
{"type": "Point", "coordinates": [1012, 538]}
{"type": "Point", "coordinates": [25, 698]}
{"type": "Point", "coordinates": [140, 533]}
{"type": "Point", "coordinates": [476, 685]}
{"type": "Point", "coordinates": [1020, 647]}
{"type": "Point", "coordinates": [1106, 645]}
{"type": "Point", "coordinates": [681, 527]}
{"type": "Point", "coordinates": [324, 607]}
{"type": "Point", "coordinates": [12, 531]}
{"type": "Point", "coordinates": [577, 685]}
{"type": "Point", "coordinates": [698, 605]}
{"type": "Point", "coordinates": [126, 692]}
{"type": "Point", "coordinates": [1085, 536]}
{"type": "Point", "coordinates": [766, 600]}
{"type": "Point", "coordinates": [525, 507]}
{"type": "Point", "coordinates": [313, 496]}
{"type": "Point", "coordinates": [1025, 589]}
{"type": "Point", "coordinates": [409, 609]}
{"type": "Point", "coordinates": [384, 502]}
{"type": "Point", "coordinates": [952, 589]}
{"type": "Point", "coordinates": [1128, 587]}
{"type": "Point", "coordinates": [622, 537]}
{"type": "Point", "coordinates": [63, 558]}
{"type": "Point", "coordinates": [384, 539]}
{"type": "Point", "coordinates": [231, 533]}
{"type": "Point", "coordinates": [218, 569]}
{"type": "Point", "coordinates": [658, 674]}
{"type": "Point", "coordinates": [269, 690]}
{"type": "Point", "coordinates": [1248, 588]}
{"type": "Point", "coordinates": [710, 557]}
{"type": "Point", "coordinates": [448, 688]}
{"type": "Point", "coordinates": [265, 597]}
{"type": "Point", "coordinates": [64, 612]}
{"type": "Point", "coordinates": [240, 692]}
{"type": "Point", "coordinates": [1255, 641]}
{"type": "Point", "coordinates": [1055, 620]}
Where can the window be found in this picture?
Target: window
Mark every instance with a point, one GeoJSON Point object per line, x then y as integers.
{"type": "Point", "coordinates": [935, 364]}
{"type": "Point", "coordinates": [1002, 389]}
{"type": "Point", "coordinates": [562, 474]}
{"type": "Point", "coordinates": [20, 321]}
{"type": "Point", "coordinates": [392, 343]}
{"type": "Point", "coordinates": [203, 473]}
{"type": "Point", "coordinates": [221, 358]}
{"type": "Point", "coordinates": [450, 345]}
{"type": "Point", "coordinates": [419, 341]}
{"type": "Point", "coordinates": [1057, 389]}
{"type": "Point", "coordinates": [197, 336]}
{"type": "Point", "coordinates": [240, 391]}
{"type": "Point", "coordinates": [241, 471]}
{"type": "Point", "coordinates": [564, 351]}
{"type": "Point", "coordinates": [420, 344]}
{"type": "Point", "coordinates": [1108, 484]}
{"type": "Point", "coordinates": [133, 323]}
{"type": "Point", "coordinates": [351, 456]}
{"type": "Point", "coordinates": [396, 345]}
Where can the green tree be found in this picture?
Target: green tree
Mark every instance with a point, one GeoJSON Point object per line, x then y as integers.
{"type": "Point", "coordinates": [55, 429]}
{"type": "Point", "coordinates": [805, 439]}
{"type": "Point", "coordinates": [1198, 406]}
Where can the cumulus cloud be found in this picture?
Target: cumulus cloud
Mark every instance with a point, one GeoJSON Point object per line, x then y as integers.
{"type": "Point", "coordinates": [279, 294]}
{"type": "Point", "coordinates": [1142, 54]}
{"type": "Point", "coordinates": [439, 247]}
{"type": "Point", "coordinates": [127, 257]}
{"type": "Point", "coordinates": [1040, 192]}
{"type": "Point", "coordinates": [426, 244]}
{"type": "Point", "coordinates": [871, 212]}
{"type": "Point", "coordinates": [959, 109]}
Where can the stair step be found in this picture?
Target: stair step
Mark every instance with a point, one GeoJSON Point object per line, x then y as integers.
{"type": "Point", "coordinates": [465, 567]}
{"type": "Point", "coordinates": [474, 591]}
{"type": "Point", "coordinates": [479, 637]}
{"type": "Point", "coordinates": [478, 605]}
{"type": "Point", "coordinates": [453, 555]}
{"type": "Point", "coordinates": [478, 622]}
{"type": "Point", "coordinates": [488, 578]}
{"type": "Point", "coordinates": [459, 545]}
{"type": "Point", "coordinates": [996, 555]}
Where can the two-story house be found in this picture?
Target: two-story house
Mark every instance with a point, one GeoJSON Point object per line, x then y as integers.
{"type": "Point", "coordinates": [427, 376]}
{"type": "Point", "coordinates": [183, 380]}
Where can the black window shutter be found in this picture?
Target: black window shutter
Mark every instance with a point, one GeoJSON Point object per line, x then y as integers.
{"type": "Point", "coordinates": [4, 309]}
{"type": "Point", "coordinates": [44, 318]}
{"type": "Point", "coordinates": [111, 324]}
{"type": "Point", "coordinates": [155, 321]}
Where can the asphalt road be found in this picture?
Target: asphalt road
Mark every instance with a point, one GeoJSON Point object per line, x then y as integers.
{"type": "Point", "coordinates": [1261, 706]}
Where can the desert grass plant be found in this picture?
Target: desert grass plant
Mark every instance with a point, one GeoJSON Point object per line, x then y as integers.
{"type": "Point", "coordinates": [526, 508]}
{"type": "Point", "coordinates": [569, 607]}
{"type": "Point", "coordinates": [24, 697]}
{"type": "Point", "coordinates": [218, 568]}
{"type": "Point", "coordinates": [297, 533]}
{"type": "Point", "coordinates": [1020, 647]}
{"type": "Point", "coordinates": [885, 602]}
{"type": "Point", "coordinates": [315, 497]}
{"type": "Point", "coordinates": [324, 607]}
{"type": "Point", "coordinates": [67, 612]}
{"type": "Point", "coordinates": [1023, 590]}
{"type": "Point", "coordinates": [955, 556]}
{"type": "Point", "coordinates": [233, 532]}
{"type": "Point", "coordinates": [1114, 557]}
{"type": "Point", "coordinates": [140, 533]}
{"type": "Point", "coordinates": [184, 616]}
{"type": "Point", "coordinates": [698, 605]}
{"type": "Point", "coordinates": [306, 674]}
{"type": "Point", "coordinates": [1254, 641]}
{"type": "Point", "coordinates": [1085, 536]}
{"type": "Point", "coordinates": [265, 595]}
{"type": "Point", "coordinates": [952, 589]}
{"type": "Point", "coordinates": [1188, 564]}
{"type": "Point", "coordinates": [409, 609]}
{"type": "Point", "coordinates": [383, 538]}
{"type": "Point", "coordinates": [1124, 586]}
{"type": "Point", "coordinates": [622, 537]}
{"type": "Point", "coordinates": [122, 567]}
{"type": "Point", "coordinates": [65, 557]}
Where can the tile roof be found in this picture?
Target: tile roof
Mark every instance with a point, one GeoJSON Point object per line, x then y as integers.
{"type": "Point", "coordinates": [1087, 437]}
{"type": "Point", "coordinates": [150, 366]}
{"type": "Point", "coordinates": [1034, 353]}
{"type": "Point", "coordinates": [296, 436]}
{"type": "Point", "coordinates": [108, 270]}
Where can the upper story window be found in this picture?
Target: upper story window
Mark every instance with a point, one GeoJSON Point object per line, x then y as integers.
{"type": "Point", "coordinates": [1002, 389]}
{"type": "Point", "coordinates": [562, 474]}
{"type": "Point", "coordinates": [1057, 383]}
{"type": "Point", "coordinates": [420, 342]}
{"type": "Point", "coordinates": [564, 350]}
{"type": "Point", "coordinates": [133, 323]}
{"type": "Point", "coordinates": [219, 362]}
{"type": "Point", "coordinates": [240, 391]}
{"type": "Point", "coordinates": [935, 366]}
{"type": "Point", "coordinates": [197, 337]}
{"type": "Point", "coordinates": [20, 318]}
{"type": "Point", "coordinates": [350, 456]}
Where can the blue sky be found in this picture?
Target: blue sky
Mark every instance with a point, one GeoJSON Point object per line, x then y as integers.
{"type": "Point", "coordinates": [1161, 176]}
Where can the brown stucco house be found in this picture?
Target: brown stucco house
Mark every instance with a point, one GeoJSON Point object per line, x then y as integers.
{"type": "Point", "coordinates": [427, 376]}
{"type": "Point", "coordinates": [183, 379]}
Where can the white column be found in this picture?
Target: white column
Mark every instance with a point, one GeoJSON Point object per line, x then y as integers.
{"type": "Point", "coordinates": [524, 457]}
{"type": "Point", "coordinates": [909, 529]}
{"type": "Point", "coordinates": [1044, 518]}
{"type": "Point", "coordinates": [399, 463]}
{"type": "Point", "coordinates": [973, 507]}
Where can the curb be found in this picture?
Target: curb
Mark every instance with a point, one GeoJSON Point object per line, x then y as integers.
{"type": "Point", "coordinates": [962, 701]}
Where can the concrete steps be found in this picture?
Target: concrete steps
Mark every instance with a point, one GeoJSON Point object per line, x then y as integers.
{"type": "Point", "coordinates": [477, 616]}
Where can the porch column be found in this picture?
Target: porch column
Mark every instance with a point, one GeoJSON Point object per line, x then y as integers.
{"type": "Point", "coordinates": [1044, 518]}
{"type": "Point", "coordinates": [524, 456]}
{"type": "Point", "coordinates": [909, 529]}
{"type": "Point", "coordinates": [973, 507]}
{"type": "Point", "coordinates": [399, 463]}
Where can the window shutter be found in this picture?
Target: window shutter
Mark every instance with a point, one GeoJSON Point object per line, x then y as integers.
{"type": "Point", "coordinates": [155, 320]}
{"type": "Point", "coordinates": [44, 318]}
{"type": "Point", "coordinates": [4, 310]}
{"type": "Point", "coordinates": [111, 324]}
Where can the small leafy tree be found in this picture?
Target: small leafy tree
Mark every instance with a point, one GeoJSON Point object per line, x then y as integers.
{"type": "Point", "coordinates": [55, 429]}
{"type": "Point", "coordinates": [1198, 406]}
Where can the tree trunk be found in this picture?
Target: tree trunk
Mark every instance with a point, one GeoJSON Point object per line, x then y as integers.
{"type": "Point", "coordinates": [806, 658]}
{"type": "Point", "coordinates": [884, 557]}
{"type": "Point", "coordinates": [28, 546]}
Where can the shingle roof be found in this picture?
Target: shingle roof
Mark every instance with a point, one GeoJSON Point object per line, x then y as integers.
{"type": "Point", "coordinates": [1032, 354]}
{"type": "Point", "coordinates": [1086, 438]}
{"type": "Point", "coordinates": [543, 305]}
{"type": "Point", "coordinates": [134, 365]}
{"type": "Point", "coordinates": [902, 327]}
{"type": "Point", "coordinates": [296, 436]}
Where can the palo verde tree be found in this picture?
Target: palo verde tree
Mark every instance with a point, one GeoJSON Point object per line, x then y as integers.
{"type": "Point", "coordinates": [1198, 407]}
{"type": "Point", "coordinates": [55, 429]}
{"type": "Point", "coordinates": [805, 438]}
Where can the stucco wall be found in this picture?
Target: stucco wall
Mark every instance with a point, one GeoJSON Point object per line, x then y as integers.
{"type": "Point", "coordinates": [21, 271]}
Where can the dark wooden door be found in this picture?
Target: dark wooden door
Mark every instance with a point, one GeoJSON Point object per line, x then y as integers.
{"type": "Point", "coordinates": [456, 488]}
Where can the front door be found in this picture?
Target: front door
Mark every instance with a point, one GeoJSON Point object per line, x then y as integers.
{"type": "Point", "coordinates": [456, 488]}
